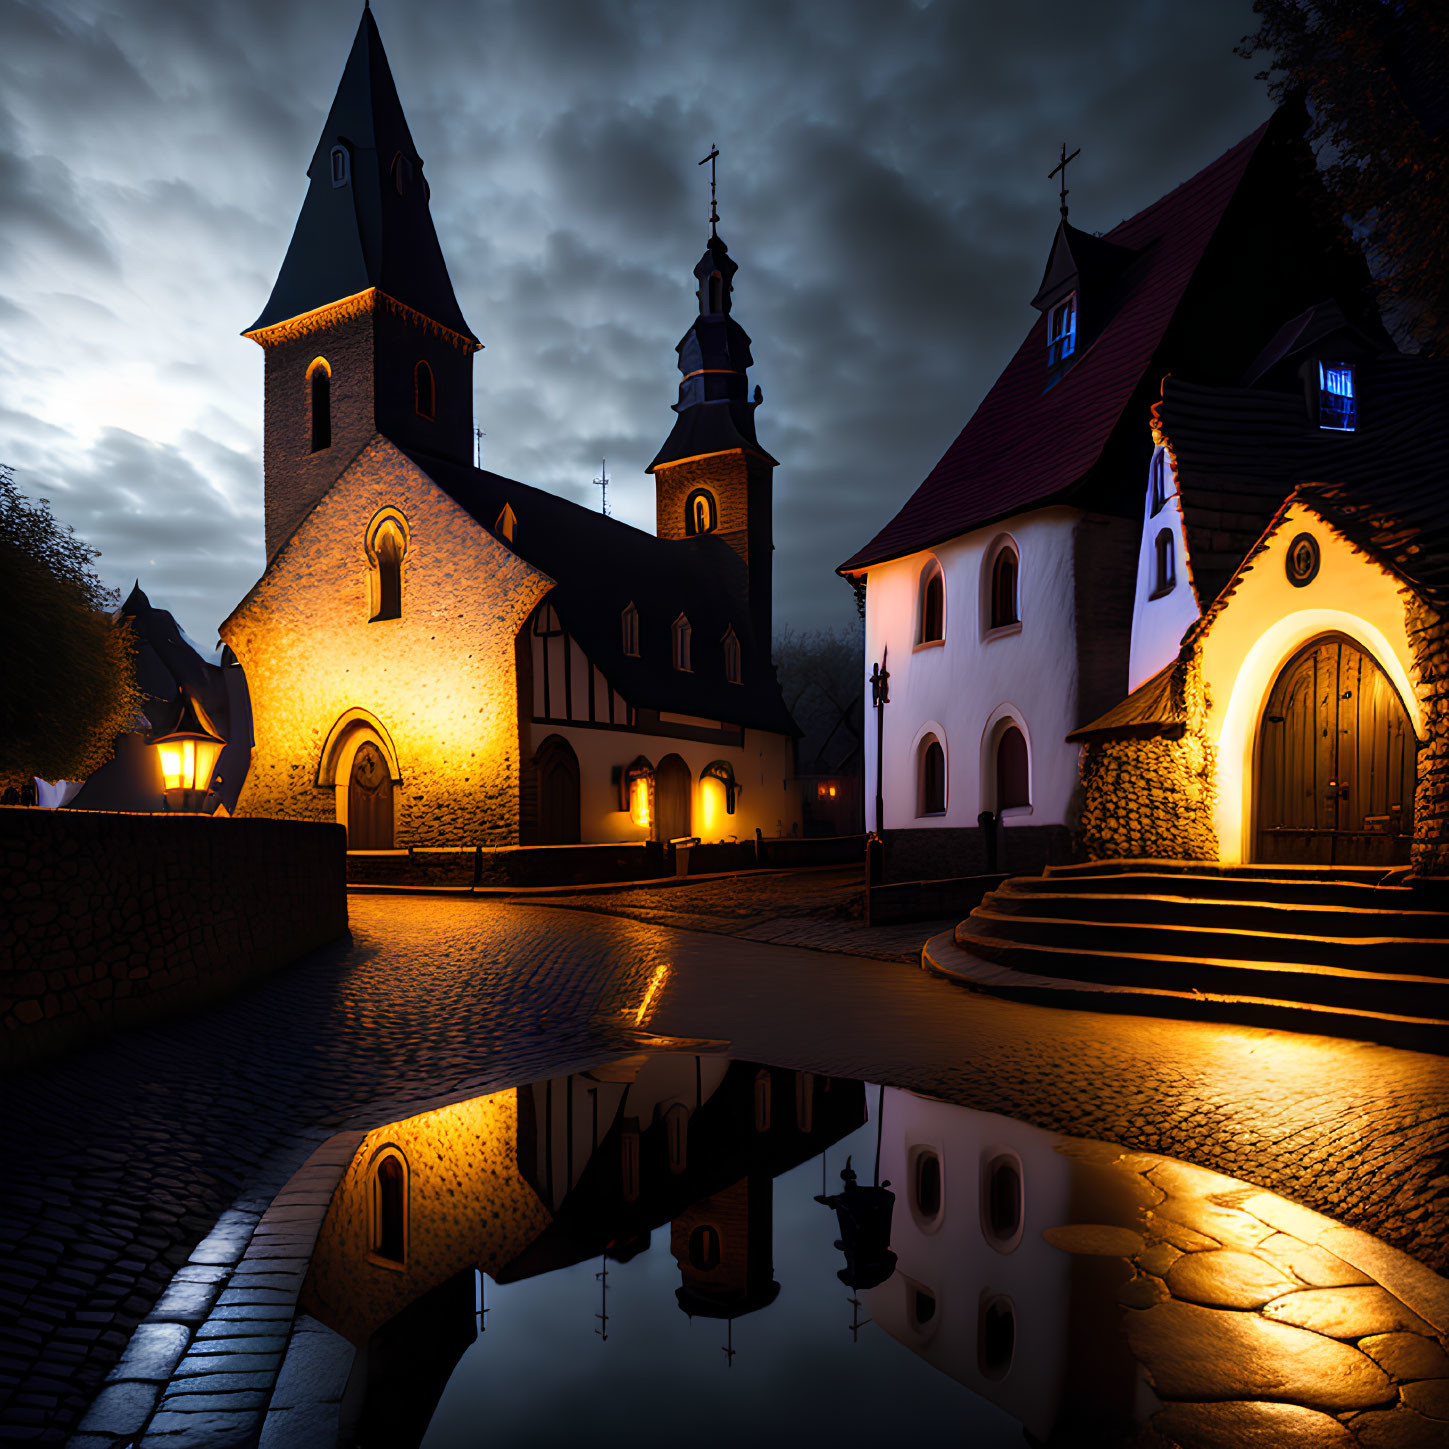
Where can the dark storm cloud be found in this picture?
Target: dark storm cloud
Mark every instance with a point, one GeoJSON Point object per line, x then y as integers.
{"type": "Point", "coordinates": [882, 186]}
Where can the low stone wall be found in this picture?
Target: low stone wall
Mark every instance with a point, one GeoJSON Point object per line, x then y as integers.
{"type": "Point", "coordinates": [950, 852]}
{"type": "Point", "coordinates": [111, 920]}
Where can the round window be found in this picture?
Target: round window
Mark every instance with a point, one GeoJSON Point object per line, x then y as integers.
{"type": "Point", "coordinates": [1302, 562]}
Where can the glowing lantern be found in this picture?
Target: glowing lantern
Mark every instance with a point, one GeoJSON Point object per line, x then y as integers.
{"type": "Point", "coordinates": [189, 755]}
{"type": "Point", "coordinates": [638, 783]}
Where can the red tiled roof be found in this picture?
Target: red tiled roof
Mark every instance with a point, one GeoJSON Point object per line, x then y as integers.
{"type": "Point", "coordinates": [1027, 445]}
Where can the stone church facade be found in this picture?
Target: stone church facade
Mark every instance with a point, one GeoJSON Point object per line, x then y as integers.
{"type": "Point", "coordinates": [441, 657]}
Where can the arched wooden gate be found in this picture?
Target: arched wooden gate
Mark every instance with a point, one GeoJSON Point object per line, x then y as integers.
{"type": "Point", "coordinates": [1336, 762]}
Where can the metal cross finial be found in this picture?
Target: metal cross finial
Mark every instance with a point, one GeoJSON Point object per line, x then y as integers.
{"type": "Point", "coordinates": [1061, 166]}
{"type": "Point", "coordinates": [713, 209]}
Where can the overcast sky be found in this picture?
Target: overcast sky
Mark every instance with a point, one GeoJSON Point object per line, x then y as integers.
{"type": "Point", "coordinates": [882, 186]}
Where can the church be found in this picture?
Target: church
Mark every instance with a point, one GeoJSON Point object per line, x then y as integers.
{"type": "Point", "coordinates": [441, 657]}
{"type": "Point", "coordinates": [1175, 590]}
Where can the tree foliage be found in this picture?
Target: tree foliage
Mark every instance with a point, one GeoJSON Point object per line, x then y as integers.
{"type": "Point", "coordinates": [68, 670]}
{"type": "Point", "coordinates": [1374, 75]}
{"type": "Point", "coordinates": [821, 679]}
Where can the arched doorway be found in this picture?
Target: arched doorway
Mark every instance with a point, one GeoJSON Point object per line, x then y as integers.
{"type": "Point", "coordinates": [558, 792]}
{"type": "Point", "coordinates": [369, 800]}
{"type": "Point", "coordinates": [1336, 762]}
{"type": "Point", "coordinates": [671, 798]}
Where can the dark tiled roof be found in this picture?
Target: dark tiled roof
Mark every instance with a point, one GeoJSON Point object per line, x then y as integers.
{"type": "Point", "coordinates": [1240, 452]}
{"type": "Point", "coordinates": [1028, 443]}
{"type": "Point", "coordinates": [370, 233]}
{"type": "Point", "coordinates": [1154, 709]}
{"type": "Point", "coordinates": [601, 565]}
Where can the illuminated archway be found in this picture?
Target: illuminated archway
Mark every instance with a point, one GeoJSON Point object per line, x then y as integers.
{"type": "Point", "coordinates": [1248, 695]}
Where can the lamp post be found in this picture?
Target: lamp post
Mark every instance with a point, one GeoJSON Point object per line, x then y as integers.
{"type": "Point", "coordinates": [188, 755]}
{"type": "Point", "coordinates": [880, 696]}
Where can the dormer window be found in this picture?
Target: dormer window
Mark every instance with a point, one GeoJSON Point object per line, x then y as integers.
{"type": "Point", "coordinates": [629, 621]}
{"type": "Point", "coordinates": [1337, 404]}
{"type": "Point", "coordinates": [425, 392]}
{"type": "Point", "coordinates": [341, 166]}
{"type": "Point", "coordinates": [1062, 331]}
{"type": "Point", "coordinates": [680, 634]}
{"type": "Point", "coordinates": [1164, 564]}
{"type": "Point", "coordinates": [732, 656]}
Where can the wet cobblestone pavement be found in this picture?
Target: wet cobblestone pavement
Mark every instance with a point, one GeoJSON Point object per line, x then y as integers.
{"type": "Point", "coordinates": [121, 1160]}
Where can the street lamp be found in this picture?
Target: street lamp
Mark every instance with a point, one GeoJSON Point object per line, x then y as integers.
{"type": "Point", "coordinates": [188, 755]}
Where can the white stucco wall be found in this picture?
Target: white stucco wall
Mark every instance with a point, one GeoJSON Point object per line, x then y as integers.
{"type": "Point", "coordinates": [967, 685]}
{"type": "Point", "coordinates": [1264, 622]}
{"type": "Point", "coordinates": [1159, 624]}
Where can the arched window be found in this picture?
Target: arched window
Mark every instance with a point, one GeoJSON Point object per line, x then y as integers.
{"type": "Point", "coordinates": [931, 790]}
{"type": "Point", "coordinates": [319, 380]}
{"type": "Point", "coordinates": [933, 605]}
{"type": "Point", "coordinates": [388, 1216]}
{"type": "Point", "coordinates": [425, 393]}
{"type": "Point", "coordinates": [676, 1136]}
{"type": "Point", "coordinates": [679, 634]}
{"type": "Point", "coordinates": [1012, 775]}
{"type": "Point", "coordinates": [732, 657]}
{"type": "Point", "coordinates": [701, 513]}
{"type": "Point", "coordinates": [704, 1248]}
{"type": "Point", "coordinates": [629, 627]}
{"type": "Point", "coordinates": [387, 543]}
{"type": "Point", "coordinates": [1004, 606]}
{"type": "Point", "coordinates": [996, 1337]}
{"type": "Point", "coordinates": [1001, 1202]}
{"type": "Point", "coordinates": [1159, 481]}
{"type": "Point", "coordinates": [341, 166]}
{"type": "Point", "coordinates": [1164, 564]}
{"type": "Point", "coordinates": [926, 1184]}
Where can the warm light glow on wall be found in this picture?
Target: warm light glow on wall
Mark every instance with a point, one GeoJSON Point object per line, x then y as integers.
{"type": "Point", "coordinates": [640, 806]}
{"type": "Point", "coordinates": [712, 806]}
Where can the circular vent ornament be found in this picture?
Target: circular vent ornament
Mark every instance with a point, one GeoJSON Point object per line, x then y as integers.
{"type": "Point", "coordinates": [1302, 563]}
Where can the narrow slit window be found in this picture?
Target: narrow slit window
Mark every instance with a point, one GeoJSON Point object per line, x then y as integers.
{"type": "Point", "coordinates": [732, 657]}
{"type": "Point", "coordinates": [1159, 482]}
{"type": "Point", "coordinates": [681, 636]}
{"type": "Point", "coordinates": [389, 1209]}
{"type": "Point", "coordinates": [629, 626]}
{"type": "Point", "coordinates": [425, 399]}
{"type": "Point", "coordinates": [319, 381]}
{"type": "Point", "coordinates": [1164, 564]}
{"type": "Point", "coordinates": [933, 779]}
{"type": "Point", "coordinates": [388, 547]}
{"type": "Point", "coordinates": [341, 166]}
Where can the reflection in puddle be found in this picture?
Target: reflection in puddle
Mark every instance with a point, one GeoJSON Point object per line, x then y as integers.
{"type": "Point", "coordinates": [1066, 1289]}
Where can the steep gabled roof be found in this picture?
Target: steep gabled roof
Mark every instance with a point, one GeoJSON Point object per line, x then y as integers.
{"type": "Point", "coordinates": [1030, 443]}
{"type": "Point", "coordinates": [375, 231]}
{"type": "Point", "coordinates": [602, 565]}
{"type": "Point", "coordinates": [1241, 451]}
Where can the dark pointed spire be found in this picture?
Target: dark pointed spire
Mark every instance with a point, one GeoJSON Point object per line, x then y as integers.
{"type": "Point", "coordinates": [715, 411]}
{"type": "Point", "coordinates": [365, 222]}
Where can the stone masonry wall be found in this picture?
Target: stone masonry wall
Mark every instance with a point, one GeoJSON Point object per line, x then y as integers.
{"type": "Point", "coordinates": [1429, 639]}
{"type": "Point", "coordinates": [1153, 799]}
{"type": "Point", "coordinates": [111, 920]}
{"type": "Point", "coordinates": [440, 679]}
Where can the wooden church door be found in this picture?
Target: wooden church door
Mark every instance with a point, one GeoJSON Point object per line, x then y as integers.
{"type": "Point", "coordinates": [1336, 762]}
{"type": "Point", "coordinates": [671, 798]}
{"type": "Point", "coordinates": [369, 801]}
{"type": "Point", "coordinates": [558, 793]}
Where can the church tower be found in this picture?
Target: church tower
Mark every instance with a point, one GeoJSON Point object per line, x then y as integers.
{"type": "Point", "coordinates": [362, 332]}
{"type": "Point", "coordinates": [712, 475]}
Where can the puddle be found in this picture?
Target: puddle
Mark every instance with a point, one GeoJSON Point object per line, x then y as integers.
{"type": "Point", "coordinates": [665, 1251]}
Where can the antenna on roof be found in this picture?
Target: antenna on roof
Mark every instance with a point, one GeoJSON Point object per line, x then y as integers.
{"type": "Point", "coordinates": [713, 209]}
{"type": "Point", "coordinates": [1062, 167]}
{"type": "Point", "coordinates": [478, 436]}
{"type": "Point", "coordinates": [603, 485]}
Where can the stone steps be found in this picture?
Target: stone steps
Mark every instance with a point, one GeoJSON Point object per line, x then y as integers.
{"type": "Point", "coordinates": [1338, 948]}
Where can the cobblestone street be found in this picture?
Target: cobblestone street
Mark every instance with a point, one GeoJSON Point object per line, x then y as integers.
{"type": "Point", "coordinates": [121, 1159]}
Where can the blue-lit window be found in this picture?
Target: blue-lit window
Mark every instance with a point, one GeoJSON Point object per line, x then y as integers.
{"type": "Point", "coordinates": [1062, 331]}
{"type": "Point", "coordinates": [1337, 406]}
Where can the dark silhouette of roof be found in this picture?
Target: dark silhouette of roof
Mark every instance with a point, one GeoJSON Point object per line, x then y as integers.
{"type": "Point", "coordinates": [716, 413]}
{"type": "Point", "coordinates": [1040, 432]}
{"type": "Point", "coordinates": [601, 565]}
{"type": "Point", "coordinates": [374, 231]}
{"type": "Point", "coordinates": [1241, 451]}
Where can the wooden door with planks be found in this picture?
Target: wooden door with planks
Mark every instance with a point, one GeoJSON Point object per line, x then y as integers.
{"type": "Point", "coordinates": [1336, 762]}
{"type": "Point", "coordinates": [369, 801]}
{"type": "Point", "coordinates": [671, 799]}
